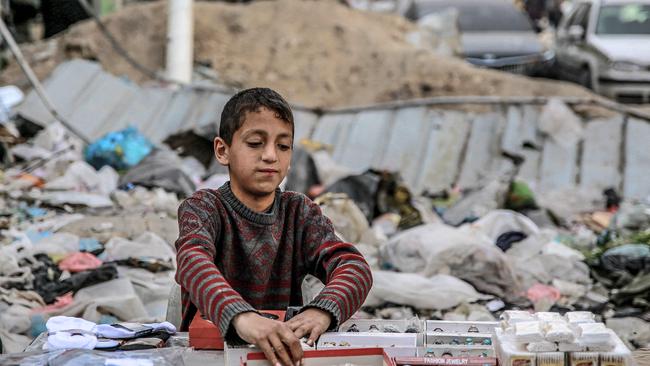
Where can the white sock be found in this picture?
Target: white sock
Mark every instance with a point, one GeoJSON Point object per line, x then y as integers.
{"type": "Point", "coordinates": [58, 323]}
{"type": "Point", "coordinates": [70, 340]}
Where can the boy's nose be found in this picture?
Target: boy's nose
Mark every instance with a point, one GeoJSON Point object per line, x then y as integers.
{"type": "Point", "coordinates": [269, 154]}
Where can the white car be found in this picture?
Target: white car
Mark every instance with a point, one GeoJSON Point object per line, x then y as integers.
{"type": "Point", "coordinates": [605, 45]}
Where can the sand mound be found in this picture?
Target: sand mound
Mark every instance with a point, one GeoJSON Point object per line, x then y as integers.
{"type": "Point", "coordinates": [319, 54]}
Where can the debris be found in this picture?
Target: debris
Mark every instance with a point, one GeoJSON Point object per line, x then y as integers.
{"type": "Point", "coordinates": [120, 150]}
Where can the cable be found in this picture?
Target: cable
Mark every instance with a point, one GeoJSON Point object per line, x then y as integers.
{"type": "Point", "coordinates": [36, 84]}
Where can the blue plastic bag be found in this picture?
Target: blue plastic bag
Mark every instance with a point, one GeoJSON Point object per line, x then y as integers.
{"type": "Point", "coordinates": [121, 149]}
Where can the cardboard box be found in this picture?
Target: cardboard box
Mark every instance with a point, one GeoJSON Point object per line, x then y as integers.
{"type": "Point", "coordinates": [446, 361]}
{"type": "Point", "coordinates": [358, 357]}
{"type": "Point", "coordinates": [204, 334]}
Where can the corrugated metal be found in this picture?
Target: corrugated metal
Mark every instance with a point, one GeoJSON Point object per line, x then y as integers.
{"type": "Point", "coordinates": [433, 148]}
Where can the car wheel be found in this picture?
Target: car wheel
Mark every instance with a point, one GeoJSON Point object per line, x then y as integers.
{"type": "Point", "coordinates": [584, 78]}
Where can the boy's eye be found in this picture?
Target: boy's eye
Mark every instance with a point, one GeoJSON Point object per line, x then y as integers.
{"type": "Point", "coordinates": [284, 147]}
{"type": "Point", "coordinates": [254, 144]}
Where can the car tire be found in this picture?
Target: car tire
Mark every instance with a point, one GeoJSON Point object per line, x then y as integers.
{"type": "Point", "coordinates": [584, 78]}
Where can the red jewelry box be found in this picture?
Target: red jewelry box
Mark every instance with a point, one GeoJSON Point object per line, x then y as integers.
{"type": "Point", "coordinates": [204, 334]}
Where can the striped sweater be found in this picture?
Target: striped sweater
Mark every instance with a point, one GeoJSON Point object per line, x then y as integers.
{"type": "Point", "coordinates": [232, 259]}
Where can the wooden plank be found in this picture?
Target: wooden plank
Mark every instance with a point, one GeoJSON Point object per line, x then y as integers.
{"type": "Point", "coordinates": [637, 160]}
{"type": "Point", "coordinates": [440, 164]}
{"type": "Point", "coordinates": [558, 168]}
{"type": "Point", "coordinates": [304, 123]}
{"type": "Point", "coordinates": [366, 140]}
{"type": "Point", "coordinates": [599, 167]}
{"type": "Point", "coordinates": [482, 149]}
{"type": "Point", "coordinates": [406, 144]}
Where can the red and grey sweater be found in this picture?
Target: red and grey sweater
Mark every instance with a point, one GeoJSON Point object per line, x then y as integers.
{"type": "Point", "coordinates": [232, 259]}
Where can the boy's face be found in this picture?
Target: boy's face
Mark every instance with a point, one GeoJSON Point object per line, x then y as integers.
{"type": "Point", "coordinates": [260, 153]}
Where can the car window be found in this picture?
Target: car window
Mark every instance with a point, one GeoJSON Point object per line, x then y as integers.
{"type": "Point", "coordinates": [624, 19]}
{"type": "Point", "coordinates": [473, 18]}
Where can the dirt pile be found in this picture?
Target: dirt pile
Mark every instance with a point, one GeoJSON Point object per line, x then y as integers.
{"type": "Point", "coordinates": [319, 54]}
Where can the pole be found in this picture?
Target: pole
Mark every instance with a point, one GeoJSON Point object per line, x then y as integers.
{"type": "Point", "coordinates": [180, 36]}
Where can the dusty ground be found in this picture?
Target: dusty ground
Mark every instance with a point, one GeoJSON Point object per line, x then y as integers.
{"type": "Point", "coordinates": [319, 54]}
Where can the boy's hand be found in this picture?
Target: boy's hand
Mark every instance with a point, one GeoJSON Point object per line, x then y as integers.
{"type": "Point", "coordinates": [273, 337]}
{"type": "Point", "coordinates": [312, 322]}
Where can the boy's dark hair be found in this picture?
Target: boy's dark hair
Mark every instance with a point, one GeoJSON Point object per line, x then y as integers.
{"type": "Point", "coordinates": [251, 100]}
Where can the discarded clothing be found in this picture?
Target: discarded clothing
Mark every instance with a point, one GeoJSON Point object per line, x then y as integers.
{"type": "Point", "coordinates": [127, 330]}
{"type": "Point", "coordinates": [78, 262]}
{"type": "Point", "coordinates": [507, 239]}
{"type": "Point", "coordinates": [50, 288]}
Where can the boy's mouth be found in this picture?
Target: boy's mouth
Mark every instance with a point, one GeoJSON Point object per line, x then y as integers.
{"type": "Point", "coordinates": [268, 171]}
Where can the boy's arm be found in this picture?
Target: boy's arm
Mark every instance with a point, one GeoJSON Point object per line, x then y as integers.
{"type": "Point", "coordinates": [343, 270]}
{"type": "Point", "coordinates": [197, 273]}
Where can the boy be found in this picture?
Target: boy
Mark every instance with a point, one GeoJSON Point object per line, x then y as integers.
{"type": "Point", "coordinates": [248, 246]}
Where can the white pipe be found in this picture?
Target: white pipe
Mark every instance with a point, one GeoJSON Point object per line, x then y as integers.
{"type": "Point", "coordinates": [180, 37]}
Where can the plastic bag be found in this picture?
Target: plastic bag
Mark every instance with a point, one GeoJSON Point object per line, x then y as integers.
{"type": "Point", "coordinates": [467, 254]}
{"type": "Point", "coordinates": [121, 149]}
{"type": "Point", "coordinates": [438, 292]}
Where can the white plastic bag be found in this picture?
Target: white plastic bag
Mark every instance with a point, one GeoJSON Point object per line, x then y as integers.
{"type": "Point", "coordinates": [438, 292]}
{"type": "Point", "coordinates": [440, 249]}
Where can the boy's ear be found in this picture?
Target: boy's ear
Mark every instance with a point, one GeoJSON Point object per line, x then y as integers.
{"type": "Point", "coordinates": [221, 151]}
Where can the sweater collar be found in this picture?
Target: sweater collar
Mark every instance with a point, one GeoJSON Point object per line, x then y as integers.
{"type": "Point", "coordinates": [264, 218]}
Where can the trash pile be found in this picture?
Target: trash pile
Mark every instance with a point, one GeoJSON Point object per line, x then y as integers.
{"type": "Point", "coordinates": [459, 256]}
{"type": "Point", "coordinates": [315, 53]}
{"type": "Point", "coordinates": [89, 231]}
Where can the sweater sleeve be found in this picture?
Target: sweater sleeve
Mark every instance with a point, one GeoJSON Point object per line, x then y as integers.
{"type": "Point", "coordinates": [343, 270]}
{"type": "Point", "coordinates": [197, 272]}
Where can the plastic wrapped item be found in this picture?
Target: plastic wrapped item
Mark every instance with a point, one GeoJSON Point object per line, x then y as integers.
{"type": "Point", "coordinates": [547, 317]}
{"type": "Point", "coordinates": [558, 331]}
{"type": "Point", "coordinates": [593, 333]}
{"type": "Point", "coordinates": [578, 317]}
{"type": "Point", "coordinates": [121, 149]}
{"type": "Point", "coordinates": [550, 359]}
{"type": "Point", "coordinates": [542, 346]}
{"type": "Point", "coordinates": [528, 332]}
{"type": "Point", "coordinates": [512, 317]}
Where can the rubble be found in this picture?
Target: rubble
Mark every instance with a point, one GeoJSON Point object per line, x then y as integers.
{"type": "Point", "coordinates": [318, 54]}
